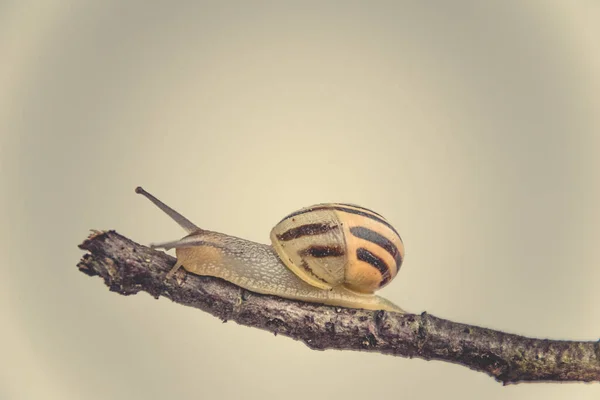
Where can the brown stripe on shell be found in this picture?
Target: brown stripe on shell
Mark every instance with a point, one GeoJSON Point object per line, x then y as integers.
{"type": "Point", "coordinates": [306, 230]}
{"type": "Point", "coordinates": [378, 239]}
{"type": "Point", "coordinates": [362, 208]}
{"type": "Point", "coordinates": [370, 258]}
{"type": "Point", "coordinates": [373, 217]}
{"type": "Point", "coordinates": [307, 268]}
{"type": "Point", "coordinates": [306, 210]}
{"type": "Point", "coordinates": [322, 251]}
{"type": "Point", "coordinates": [344, 209]}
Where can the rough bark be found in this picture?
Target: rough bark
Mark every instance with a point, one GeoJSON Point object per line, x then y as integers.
{"type": "Point", "coordinates": [128, 268]}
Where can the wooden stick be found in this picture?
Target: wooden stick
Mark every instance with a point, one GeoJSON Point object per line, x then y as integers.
{"type": "Point", "coordinates": [128, 268]}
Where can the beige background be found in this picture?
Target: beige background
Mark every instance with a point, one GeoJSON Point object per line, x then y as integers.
{"type": "Point", "coordinates": [474, 129]}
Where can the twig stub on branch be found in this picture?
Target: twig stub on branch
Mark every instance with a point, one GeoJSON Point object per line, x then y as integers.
{"type": "Point", "coordinates": [128, 268]}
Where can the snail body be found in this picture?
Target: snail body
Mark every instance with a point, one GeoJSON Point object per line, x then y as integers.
{"type": "Point", "coordinates": [334, 254]}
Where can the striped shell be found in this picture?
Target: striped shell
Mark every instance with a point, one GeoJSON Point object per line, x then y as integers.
{"type": "Point", "coordinates": [327, 245]}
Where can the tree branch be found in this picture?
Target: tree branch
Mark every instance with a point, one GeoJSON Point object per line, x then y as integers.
{"type": "Point", "coordinates": [128, 268]}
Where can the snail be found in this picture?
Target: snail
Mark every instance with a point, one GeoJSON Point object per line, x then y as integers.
{"type": "Point", "coordinates": [335, 254]}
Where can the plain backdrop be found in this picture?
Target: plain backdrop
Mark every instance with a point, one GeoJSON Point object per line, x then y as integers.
{"type": "Point", "coordinates": [474, 128]}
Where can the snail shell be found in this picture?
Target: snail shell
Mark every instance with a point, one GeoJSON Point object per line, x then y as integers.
{"type": "Point", "coordinates": [327, 245]}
